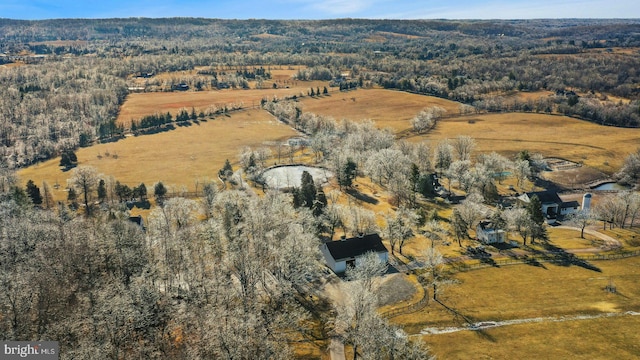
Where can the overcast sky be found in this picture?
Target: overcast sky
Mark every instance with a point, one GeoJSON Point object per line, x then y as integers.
{"type": "Point", "coordinates": [321, 9]}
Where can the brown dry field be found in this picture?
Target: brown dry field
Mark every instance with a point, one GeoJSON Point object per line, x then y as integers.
{"type": "Point", "coordinates": [387, 108]}
{"type": "Point", "coordinates": [60, 43]}
{"type": "Point", "coordinates": [603, 338]}
{"type": "Point", "coordinates": [268, 36]}
{"type": "Point", "coordinates": [138, 105]}
{"type": "Point", "coordinates": [616, 50]}
{"type": "Point", "coordinates": [600, 147]}
{"type": "Point", "coordinates": [527, 95]}
{"type": "Point", "coordinates": [178, 157]}
{"type": "Point", "coordinates": [523, 291]}
{"type": "Point", "coordinates": [383, 36]}
{"type": "Point", "coordinates": [11, 65]}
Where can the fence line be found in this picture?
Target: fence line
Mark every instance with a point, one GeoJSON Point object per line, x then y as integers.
{"type": "Point", "coordinates": [411, 307]}
{"type": "Point", "coordinates": [461, 266]}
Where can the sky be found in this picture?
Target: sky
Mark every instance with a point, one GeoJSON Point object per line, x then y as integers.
{"type": "Point", "coordinates": [320, 9]}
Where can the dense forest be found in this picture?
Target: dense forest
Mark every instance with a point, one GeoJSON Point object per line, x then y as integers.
{"type": "Point", "coordinates": [76, 72]}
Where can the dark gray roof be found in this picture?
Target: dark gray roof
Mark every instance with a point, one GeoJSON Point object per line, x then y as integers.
{"type": "Point", "coordinates": [357, 246]}
{"type": "Point", "coordinates": [546, 197]}
{"type": "Point", "coordinates": [570, 204]}
{"type": "Point", "coordinates": [136, 220]}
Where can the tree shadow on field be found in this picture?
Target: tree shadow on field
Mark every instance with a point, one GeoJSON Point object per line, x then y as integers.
{"type": "Point", "coordinates": [533, 262]}
{"type": "Point", "coordinates": [489, 261]}
{"type": "Point", "coordinates": [362, 197]}
{"type": "Point", "coordinates": [469, 320]}
{"type": "Point", "coordinates": [563, 258]}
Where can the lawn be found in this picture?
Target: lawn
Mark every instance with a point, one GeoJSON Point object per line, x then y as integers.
{"type": "Point", "coordinates": [570, 239]}
{"type": "Point", "coordinates": [178, 158]}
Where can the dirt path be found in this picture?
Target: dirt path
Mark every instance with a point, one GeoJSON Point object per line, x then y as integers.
{"type": "Point", "coordinates": [335, 292]}
{"type": "Point", "coordinates": [492, 324]}
{"type": "Point", "coordinates": [336, 349]}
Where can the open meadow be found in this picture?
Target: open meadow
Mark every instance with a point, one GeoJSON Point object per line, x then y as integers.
{"type": "Point", "coordinates": [529, 292]}
{"type": "Point", "coordinates": [507, 133]}
{"type": "Point", "coordinates": [388, 108]}
{"type": "Point", "coordinates": [599, 338]}
{"type": "Point", "coordinates": [139, 105]}
{"type": "Point", "coordinates": [601, 147]}
{"type": "Point", "coordinates": [177, 158]}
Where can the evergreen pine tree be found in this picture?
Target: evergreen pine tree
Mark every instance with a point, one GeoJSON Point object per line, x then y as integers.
{"type": "Point", "coordinates": [34, 193]}
{"type": "Point", "coordinates": [68, 159]}
{"type": "Point", "coordinates": [226, 170]}
{"type": "Point", "coordinates": [102, 190]}
{"type": "Point", "coordinates": [72, 195]}
{"type": "Point", "coordinates": [320, 203]}
{"type": "Point", "coordinates": [535, 210]}
{"type": "Point", "coordinates": [307, 190]}
{"type": "Point", "coordinates": [347, 174]}
{"type": "Point", "coordinates": [159, 191]}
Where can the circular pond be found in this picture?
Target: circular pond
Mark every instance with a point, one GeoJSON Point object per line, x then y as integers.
{"type": "Point", "coordinates": [289, 176]}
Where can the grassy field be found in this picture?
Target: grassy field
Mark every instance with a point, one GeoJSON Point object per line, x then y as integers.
{"type": "Point", "coordinates": [522, 292]}
{"type": "Point", "coordinates": [525, 291]}
{"type": "Point", "coordinates": [553, 136]}
{"type": "Point", "coordinates": [570, 239]}
{"type": "Point", "coordinates": [138, 105]}
{"type": "Point", "coordinates": [604, 338]}
{"type": "Point", "coordinates": [387, 108]}
{"type": "Point", "coordinates": [178, 157]}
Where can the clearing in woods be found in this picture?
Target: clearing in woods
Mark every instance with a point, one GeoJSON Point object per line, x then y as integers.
{"type": "Point", "coordinates": [178, 157]}
{"type": "Point", "coordinates": [138, 105]}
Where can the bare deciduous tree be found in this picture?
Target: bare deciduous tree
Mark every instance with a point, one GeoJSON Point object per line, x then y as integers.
{"type": "Point", "coordinates": [85, 179]}
{"type": "Point", "coordinates": [581, 219]}
{"type": "Point", "coordinates": [463, 146]}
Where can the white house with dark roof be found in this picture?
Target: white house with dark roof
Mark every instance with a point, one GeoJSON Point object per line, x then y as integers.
{"type": "Point", "coordinates": [342, 253]}
{"type": "Point", "coordinates": [489, 234]}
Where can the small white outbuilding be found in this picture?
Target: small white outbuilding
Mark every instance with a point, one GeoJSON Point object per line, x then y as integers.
{"type": "Point", "coordinates": [488, 234]}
